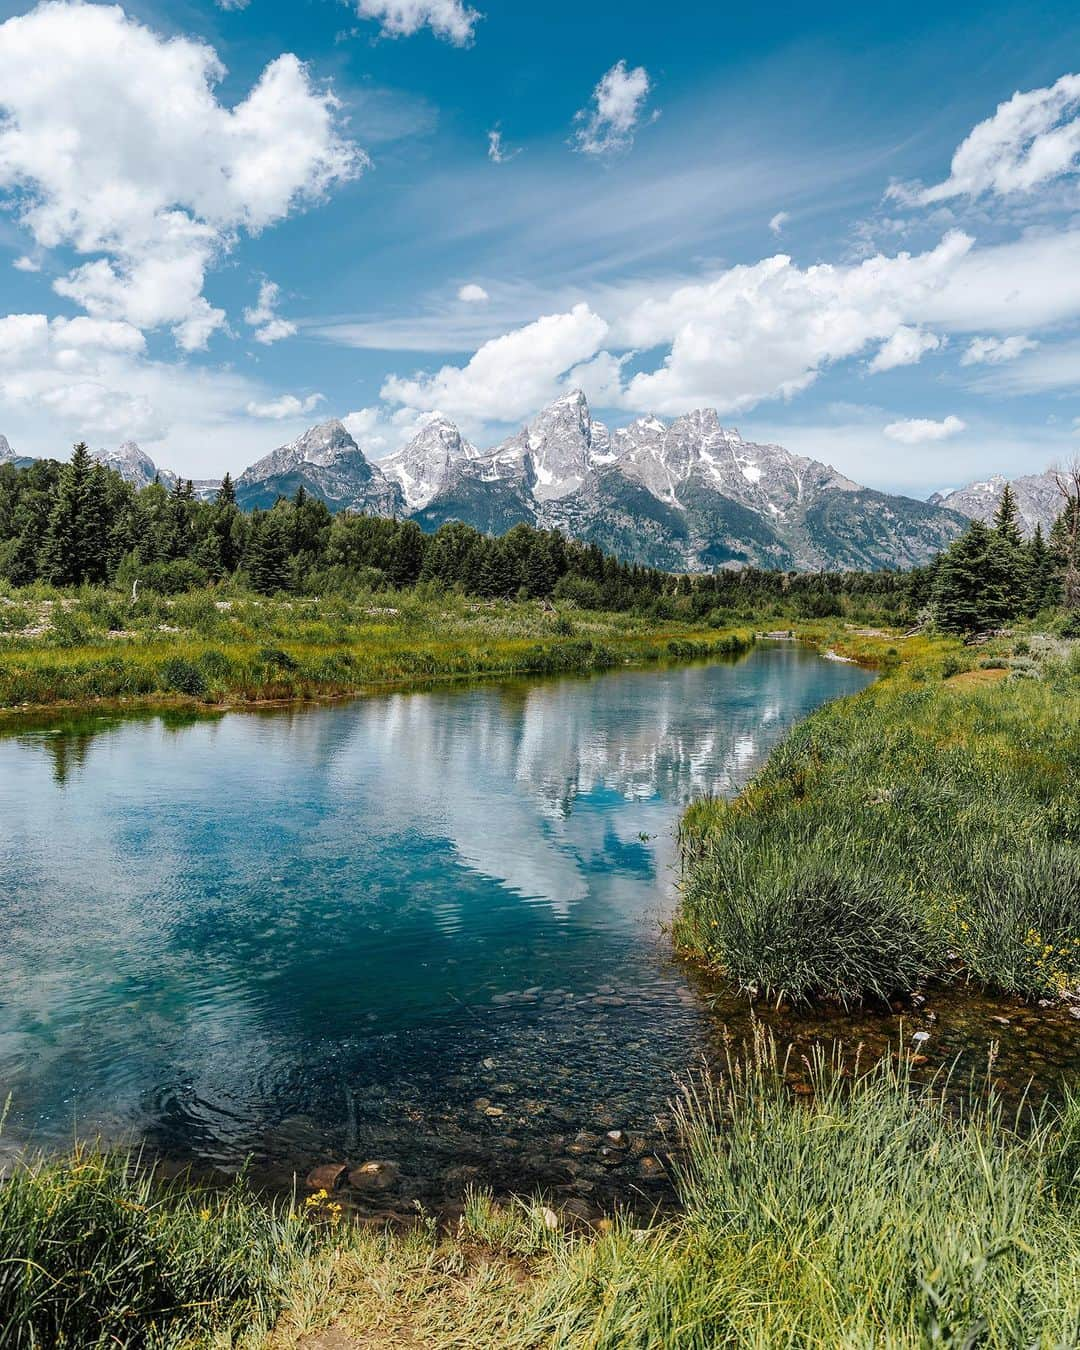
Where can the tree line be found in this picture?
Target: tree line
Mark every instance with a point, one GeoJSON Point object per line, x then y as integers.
{"type": "Point", "coordinates": [82, 523]}
{"type": "Point", "coordinates": [991, 575]}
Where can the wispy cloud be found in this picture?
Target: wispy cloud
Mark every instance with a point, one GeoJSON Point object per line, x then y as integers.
{"type": "Point", "coordinates": [276, 410]}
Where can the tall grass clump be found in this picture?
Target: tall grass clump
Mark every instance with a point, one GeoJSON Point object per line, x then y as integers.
{"type": "Point", "coordinates": [94, 1252]}
{"type": "Point", "coordinates": [921, 827]}
{"type": "Point", "coordinates": [874, 1215]}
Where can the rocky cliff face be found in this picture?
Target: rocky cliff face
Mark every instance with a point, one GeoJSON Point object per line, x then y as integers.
{"type": "Point", "coordinates": [134, 465]}
{"type": "Point", "coordinates": [688, 494]}
{"type": "Point", "coordinates": [328, 463]}
{"type": "Point", "coordinates": [1038, 499]}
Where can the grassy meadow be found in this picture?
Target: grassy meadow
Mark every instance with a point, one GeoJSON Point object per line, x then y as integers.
{"type": "Point", "coordinates": [930, 826]}
{"type": "Point", "coordinates": [234, 647]}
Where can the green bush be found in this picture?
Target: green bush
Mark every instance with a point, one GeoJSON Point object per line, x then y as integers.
{"type": "Point", "coordinates": [94, 1254]}
{"type": "Point", "coordinates": [183, 677]}
{"type": "Point", "coordinates": [788, 915]}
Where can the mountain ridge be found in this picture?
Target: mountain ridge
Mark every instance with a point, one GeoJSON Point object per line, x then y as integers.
{"type": "Point", "coordinates": [685, 494]}
{"type": "Point", "coordinates": [1038, 499]}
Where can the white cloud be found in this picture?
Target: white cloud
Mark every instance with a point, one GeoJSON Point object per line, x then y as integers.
{"type": "Point", "coordinates": [612, 117]}
{"type": "Point", "coordinates": [497, 151]}
{"type": "Point", "coordinates": [767, 330]}
{"type": "Point", "coordinates": [1030, 140]}
{"type": "Point", "coordinates": [777, 223]}
{"type": "Point", "coordinates": [262, 316]}
{"type": "Point", "coordinates": [99, 161]}
{"type": "Point", "coordinates": [992, 351]}
{"type": "Point", "coordinates": [760, 331]}
{"type": "Point", "coordinates": [378, 433]}
{"type": "Point", "coordinates": [448, 19]}
{"type": "Point", "coordinates": [472, 294]}
{"type": "Point", "coordinates": [287, 406]}
{"type": "Point", "coordinates": [509, 377]}
{"type": "Point", "coordinates": [26, 264]}
{"type": "Point", "coordinates": [916, 430]}
{"type": "Point", "coordinates": [906, 347]}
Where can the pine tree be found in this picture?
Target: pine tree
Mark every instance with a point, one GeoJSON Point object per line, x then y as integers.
{"type": "Point", "coordinates": [971, 590]}
{"type": "Point", "coordinates": [1041, 582]}
{"type": "Point", "coordinates": [267, 558]}
{"type": "Point", "coordinates": [74, 550]}
{"type": "Point", "coordinates": [1065, 539]}
{"type": "Point", "coordinates": [1007, 518]}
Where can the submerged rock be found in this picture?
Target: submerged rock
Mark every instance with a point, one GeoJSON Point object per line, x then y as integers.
{"type": "Point", "coordinates": [378, 1175]}
{"type": "Point", "coordinates": [327, 1177]}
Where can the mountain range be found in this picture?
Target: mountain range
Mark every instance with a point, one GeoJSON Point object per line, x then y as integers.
{"type": "Point", "coordinates": [1039, 499]}
{"type": "Point", "coordinates": [685, 495]}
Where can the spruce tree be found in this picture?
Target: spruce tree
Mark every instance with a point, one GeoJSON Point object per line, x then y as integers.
{"type": "Point", "coordinates": [1041, 581]}
{"type": "Point", "coordinates": [968, 590]}
{"type": "Point", "coordinates": [75, 547]}
{"type": "Point", "coordinates": [266, 559]}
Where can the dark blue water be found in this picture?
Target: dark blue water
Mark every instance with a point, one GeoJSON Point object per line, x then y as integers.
{"type": "Point", "coordinates": [423, 926]}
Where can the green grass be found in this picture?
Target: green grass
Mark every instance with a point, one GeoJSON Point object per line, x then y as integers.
{"type": "Point", "coordinates": [95, 1253]}
{"type": "Point", "coordinates": [925, 826]}
{"type": "Point", "coordinates": [230, 648]}
{"type": "Point", "coordinates": [873, 1213]}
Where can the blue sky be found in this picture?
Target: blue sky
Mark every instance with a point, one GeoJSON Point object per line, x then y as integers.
{"type": "Point", "coordinates": [222, 224]}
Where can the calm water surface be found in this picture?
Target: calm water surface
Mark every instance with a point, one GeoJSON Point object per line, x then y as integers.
{"type": "Point", "coordinates": [421, 926]}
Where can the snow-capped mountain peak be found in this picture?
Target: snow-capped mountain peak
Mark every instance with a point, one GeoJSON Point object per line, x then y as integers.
{"type": "Point", "coordinates": [1039, 499]}
{"type": "Point", "coordinates": [134, 465]}
{"type": "Point", "coordinates": [6, 452]}
{"type": "Point", "coordinates": [322, 446]}
{"type": "Point", "coordinates": [425, 466]}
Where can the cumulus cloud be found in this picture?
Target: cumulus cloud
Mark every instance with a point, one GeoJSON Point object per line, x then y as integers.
{"type": "Point", "coordinates": [287, 406]}
{"type": "Point", "coordinates": [263, 317]}
{"type": "Point", "coordinates": [98, 161]}
{"type": "Point", "coordinates": [472, 294]}
{"type": "Point", "coordinates": [449, 19]}
{"type": "Point", "coordinates": [917, 430]}
{"type": "Point", "coordinates": [993, 351]}
{"type": "Point", "coordinates": [777, 223]}
{"type": "Point", "coordinates": [509, 377]}
{"type": "Point", "coordinates": [611, 119]}
{"type": "Point", "coordinates": [1031, 139]}
{"type": "Point", "coordinates": [768, 329]}
{"type": "Point", "coordinates": [906, 347]}
{"type": "Point", "coordinates": [26, 264]}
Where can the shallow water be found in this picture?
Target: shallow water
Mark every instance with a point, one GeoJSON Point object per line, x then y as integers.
{"type": "Point", "coordinates": [419, 926]}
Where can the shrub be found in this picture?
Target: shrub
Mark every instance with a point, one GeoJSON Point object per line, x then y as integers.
{"type": "Point", "coordinates": [1020, 923]}
{"type": "Point", "coordinates": [793, 916]}
{"type": "Point", "coordinates": [183, 677]}
{"type": "Point", "coordinates": [171, 578]}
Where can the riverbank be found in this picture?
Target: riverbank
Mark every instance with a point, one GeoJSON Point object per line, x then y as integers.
{"type": "Point", "coordinates": [98, 648]}
{"type": "Point", "coordinates": [927, 827]}
{"type": "Point", "coordinates": [910, 1225]}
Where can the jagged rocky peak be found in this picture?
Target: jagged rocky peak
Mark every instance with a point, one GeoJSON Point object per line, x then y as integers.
{"type": "Point", "coordinates": [321, 446]}
{"type": "Point", "coordinates": [555, 453]}
{"type": "Point", "coordinates": [6, 452]}
{"type": "Point", "coordinates": [1039, 499]}
{"type": "Point", "coordinates": [425, 466]}
{"type": "Point", "coordinates": [134, 465]}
